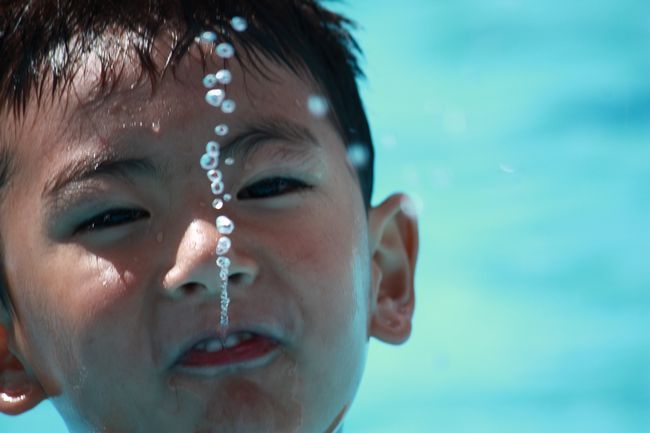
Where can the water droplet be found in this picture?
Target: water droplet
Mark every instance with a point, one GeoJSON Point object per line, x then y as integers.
{"type": "Point", "coordinates": [208, 36]}
{"type": "Point", "coordinates": [229, 161]}
{"type": "Point", "coordinates": [209, 162]}
{"type": "Point", "coordinates": [507, 168]}
{"type": "Point", "coordinates": [160, 236]}
{"type": "Point", "coordinates": [155, 127]}
{"type": "Point", "coordinates": [358, 155]}
{"type": "Point", "coordinates": [212, 148]}
{"type": "Point", "coordinates": [225, 225]}
{"type": "Point", "coordinates": [223, 245]}
{"type": "Point", "coordinates": [225, 300]}
{"type": "Point", "coordinates": [317, 105]}
{"type": "Point", "coordinates": [223, 275]}
{"type": "Point", "coordinates": [239, 24]}
{"type": "Point", "coordinates": [389, 141]}
{"type": "Point", "coordinates": [215, 97]}
{"type": "Point", "coordinates": [223, 262]}
{"type": "Point", "coordinates": [221, 130]}
{"type": "Point", "coordinates": [224, 50]}
{"type": "Point", "coordinates": [227, 197]}
{"type": "Point", "coordinates": [210, 81]}
{"type": "Point", "coordinates": [224, 76]}
{"type": "Point", "coordinates": [217, 203]}
{"type": "Point", "coordinates": [454, 122]}
{"type": "Point", "coordinates": [217, 188]}
{"type": "Point", "coordinates": [228, 106]}
{"type": "Point", "coordinates": [215, 175]}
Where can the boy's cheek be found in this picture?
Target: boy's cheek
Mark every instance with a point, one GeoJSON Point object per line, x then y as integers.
{"type": "Point", "coordinates": [70, 320]}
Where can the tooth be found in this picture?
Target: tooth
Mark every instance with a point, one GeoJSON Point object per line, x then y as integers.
{"type": "Point", "coordinates": [214, 345]}
{"type": "Point", "coordinates": [200, 346]}
{"type": "Point", "coordinates": [232, 341]}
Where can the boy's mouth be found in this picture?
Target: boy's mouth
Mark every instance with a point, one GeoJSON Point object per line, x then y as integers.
{"type": "Point", "coordinates": [237, 348]}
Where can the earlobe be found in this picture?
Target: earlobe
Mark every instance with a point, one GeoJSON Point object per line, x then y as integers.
{"type": "Point", "coordinates": [19, 392]}
{"type": "Point", "coordinates": [393, 235]}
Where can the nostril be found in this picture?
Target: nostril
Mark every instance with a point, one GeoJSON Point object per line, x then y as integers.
{"type": "Point", "coordinates": [192, 289]}
{"type": "Point", "coordinates": [235, 278]}
{"type": "Point", "coordinates": [239, 278]}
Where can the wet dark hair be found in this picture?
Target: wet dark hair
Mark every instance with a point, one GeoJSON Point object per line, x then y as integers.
{"type": "Point", "coordinates": [43, 44]}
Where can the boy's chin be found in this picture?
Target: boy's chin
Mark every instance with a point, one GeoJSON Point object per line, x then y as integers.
{"type": "Point", "coordinates": [262, 400]}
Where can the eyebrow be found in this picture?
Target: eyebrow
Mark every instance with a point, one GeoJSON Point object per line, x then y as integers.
{"type": "Point", "coordinates": [243, 145]}
{"type": "Point", "coordinates": [105, 163]}
{"type": "Point", "coordinates": [259, 134]}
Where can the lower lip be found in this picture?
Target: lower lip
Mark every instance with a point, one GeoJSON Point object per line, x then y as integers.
{"type": "Point", "coordinates": [249, 350]}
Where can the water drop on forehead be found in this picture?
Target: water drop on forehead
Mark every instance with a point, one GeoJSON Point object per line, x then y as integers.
{"type": "Point", "coordinates": [225, 225]}
{"type": "Point", "coordinates": [229, 161]}
{"type": "Point", "coordinates": [358, 155]}
{"type": "Point", "coordinates": [239, 24]}
{"type": "Point", "coordinates": [223, 245]}
{"type": "Point", "coordinates": [224, 76]}
{"type": "Point", "coordinates": [210, 81]}
{"type": "Point", "coordinates": [208, 36]}
{"type": "Point", "coordinates": [317, 105]}
{"type": "Point", "coordinates": [228, 106]}
{"type": "Point", "coordinates": [221, 130]}
{"type": "Point", "coordinates": [225, 50]}
{"type": "Point", "coordinates": [215, 97]}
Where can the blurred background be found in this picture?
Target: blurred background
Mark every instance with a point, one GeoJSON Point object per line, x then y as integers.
{"type": "Point", "coordinates": [521, 129]}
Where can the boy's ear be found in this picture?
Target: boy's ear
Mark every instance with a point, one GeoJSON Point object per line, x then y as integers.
{"type": "Point", "coordinates": [393, 236]}
{"type": "Point", "coordinates": [19, 391]}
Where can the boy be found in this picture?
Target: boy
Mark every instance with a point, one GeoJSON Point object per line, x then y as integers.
{"type": "Point", "coordinates": [107, 229]}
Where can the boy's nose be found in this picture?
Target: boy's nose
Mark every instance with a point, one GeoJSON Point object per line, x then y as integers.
{"type": "Point", "coordinates": [194, 269]}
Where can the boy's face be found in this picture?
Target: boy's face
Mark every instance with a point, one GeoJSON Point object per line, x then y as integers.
{"type": "Point", "coordinates": [103, 315]}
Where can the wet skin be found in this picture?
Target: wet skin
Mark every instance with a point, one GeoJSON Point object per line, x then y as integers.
{"type": "Point", "coordinates": [113, 272]}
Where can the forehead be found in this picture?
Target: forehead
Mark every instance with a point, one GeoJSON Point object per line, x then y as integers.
{"type": "Point", "coordinates": [56, 133]}
{"type": "Point", "coordinates": [260, 87]}
{"type": "Point", "coordinates": [89, 108]}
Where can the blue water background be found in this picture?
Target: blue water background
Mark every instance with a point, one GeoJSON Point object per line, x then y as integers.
{"type": "Point", "coordinates": [522, 130]}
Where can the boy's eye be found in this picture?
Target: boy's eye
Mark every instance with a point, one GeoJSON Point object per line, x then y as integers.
{"type": "Point", "coordinates": [112, 218]}
{"type": "Point", "coordinates": [271, 187]}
